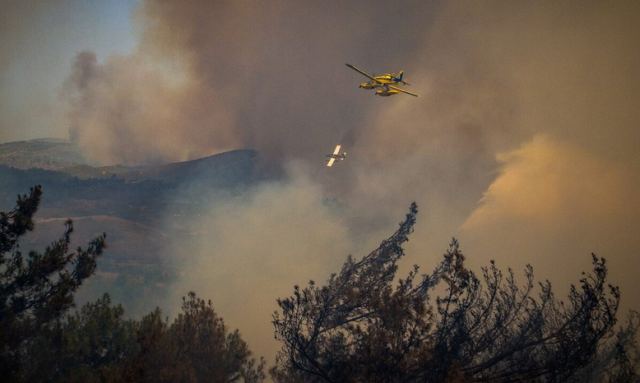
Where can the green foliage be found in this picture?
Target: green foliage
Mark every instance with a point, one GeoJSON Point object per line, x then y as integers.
{"type": "Point", "coordinates": [38, 289]}
{"type": "Point", "coordinates": [88, 345]}
{"type": "Point", "coordinates": [446, 326]}
{"type": "Point", "coordinates": [96, 344]}
{"type": "Point", "coordinates": [196, 347]}
{"type": "Point", "coordinates": [42, 340]}
{"type": "Point", "coordinates": [364, 325]}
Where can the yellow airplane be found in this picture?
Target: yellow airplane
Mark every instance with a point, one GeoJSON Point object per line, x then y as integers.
{"type": "Point", "coordinates": [383, 83]}
{"type": "Point", "coordinates": [336, 156]}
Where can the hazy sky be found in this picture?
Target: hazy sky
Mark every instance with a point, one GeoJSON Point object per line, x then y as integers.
{"type": "Point", "coordinates": [524, 140]}
{"type": "Point", "coordinates": [38, 41]}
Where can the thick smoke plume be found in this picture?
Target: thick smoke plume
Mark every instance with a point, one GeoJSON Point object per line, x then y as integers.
{"type": "Point", "coordinates": [252, 248]}
{"type": "Point", "coordinates": [211, 76]}
{"type": "Point", "coordinates": [523, 141]}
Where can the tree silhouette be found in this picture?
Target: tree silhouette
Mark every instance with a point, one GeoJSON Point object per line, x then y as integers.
{"type": "Point", "coordinates": [42, 340]}
{"type": "Point", "coordinates": [196, 347]}
{"type": "Point", "coordinates": [97, 344]}
{"type": "Point", "coordinates": [36, 289]}
{"type": "Point", "coordinates": [88, 345]}
{"type": "Point", "coordinates": [449, 325]}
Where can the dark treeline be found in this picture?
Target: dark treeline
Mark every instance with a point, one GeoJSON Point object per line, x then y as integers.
{"type": "Point", "coordinates": [363, 325]}
{"type": "Point", "coordinates": [42, 340]}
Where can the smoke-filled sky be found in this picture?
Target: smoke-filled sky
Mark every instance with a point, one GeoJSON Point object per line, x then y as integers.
{"type": "Point", "coordinates": [38, 42]}
{"type": "Point", "coordinates": [524, 141]}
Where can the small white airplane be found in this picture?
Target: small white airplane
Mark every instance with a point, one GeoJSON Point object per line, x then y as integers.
{"type": "Point", "coordinates": [336, 156]}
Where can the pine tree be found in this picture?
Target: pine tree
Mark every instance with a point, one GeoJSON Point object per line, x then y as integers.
{"type": "Point", "coordinates": [36, 289]}
{"type": "Point", "coordinates": [446, 326]}
{"type": "Point", "coordinates": [196, 347]}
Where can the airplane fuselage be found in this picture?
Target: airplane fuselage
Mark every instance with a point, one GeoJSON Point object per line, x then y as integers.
{"type": "Point", "coordinates": [381, 80]}
{"type": "Point", "coordinates": [386, 92]}
{"type": "Point", "coordinates": [369, 85]}
{"type": "Point", "coordinates": [339, 157]}
{"type": "Point", "coordinates": [387, 78]}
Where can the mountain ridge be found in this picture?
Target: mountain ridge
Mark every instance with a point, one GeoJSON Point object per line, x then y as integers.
{"type": "Point", "coordinates": [141, 208]}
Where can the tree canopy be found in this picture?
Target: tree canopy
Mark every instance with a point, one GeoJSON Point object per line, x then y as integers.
{"type": "Point", "coordinates": [36, 289]}
{"type": "Point", "coordinates": [42, 339]}
{"type": "Point", "coordinates": [363, 325]}
{"type": "Point", "coordinates": [449, 325]}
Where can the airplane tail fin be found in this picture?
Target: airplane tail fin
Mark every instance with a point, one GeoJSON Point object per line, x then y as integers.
{"type": "Point", "coordinates": [400, 76]}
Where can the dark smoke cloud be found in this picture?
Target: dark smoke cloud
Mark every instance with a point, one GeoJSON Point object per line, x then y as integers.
{"type": "Point", "coordinates": [211, 76]}
{"type": "Point", "coordinates": [523, 140]}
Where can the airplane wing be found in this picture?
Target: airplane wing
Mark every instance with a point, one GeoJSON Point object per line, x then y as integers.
{"type": "Point", "coordinates": [331, 161]}
{"type": "Point", "coordinates": [365, 74]}
{"type": "Point", "coordinates": [401, 90]}
{"type": "Point", "coordinates": [337, 150]}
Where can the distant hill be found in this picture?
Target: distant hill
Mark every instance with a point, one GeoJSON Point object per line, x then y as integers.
{"type": "Point", "coordinates": [44, 153]}
{"type": "Point", "coordinates": [140, 193]}
{"type": "Point", "coordinates": [223, 168]}
{"type": "Point", "coordinates": [65, 157]}
{"type": "Point", "coordinates": [134, 260]}
{"type": "Point", "coordinates": [140, 208]}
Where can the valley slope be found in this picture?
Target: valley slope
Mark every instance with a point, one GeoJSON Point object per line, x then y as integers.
{"type": "Point", "coordinates": [140, 208]}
